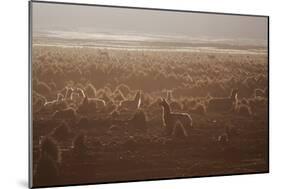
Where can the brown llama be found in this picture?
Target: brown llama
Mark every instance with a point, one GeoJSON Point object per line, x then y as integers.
{"type": "Point", "coordinates": [171, 118]}
{"type": "Point", "coordinates": [97, 102]}
{"type": "Point", "coordinates": [100, 104]}
{"type": "Point", "coordinates": [225, 104]}
{"type": "Point", "coordinates": [54, 104]}
{"type": "Point", "coordinates": [90, 105]}
{"type": "Point", "coordinates": [131, 104]}
{"type": "Point", "coordinates": [77, 96]}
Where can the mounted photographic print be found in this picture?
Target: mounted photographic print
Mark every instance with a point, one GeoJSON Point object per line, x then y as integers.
{"type": "Point", "coordinates": [120, 94]}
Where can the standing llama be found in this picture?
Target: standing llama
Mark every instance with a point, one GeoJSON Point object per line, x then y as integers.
{"type": "Point", "coordinates": [131, 104]}
{"type": "Point", "coordinates": [54, 104]}
{"type": "Point", "coordinates": [225, 104]}
{"type": "Point", "coordinates": [171, 118]}
{"type": "Point", "coordinates": [98, 103]}
{"type": "Point", "coordinates": [90, 105]}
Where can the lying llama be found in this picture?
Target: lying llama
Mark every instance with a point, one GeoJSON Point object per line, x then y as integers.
{"type": "Point", "coordinates": [224, 104]}
{"type": "Point", "coordinates": [131, 104]}
{"type": "Point", "coordinates": [170, 118]}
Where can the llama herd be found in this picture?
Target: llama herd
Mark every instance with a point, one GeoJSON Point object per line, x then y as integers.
{"type": "Point", "coordinates": [72, 103]}
{"type": "Point", "coordinates": [178, 125]}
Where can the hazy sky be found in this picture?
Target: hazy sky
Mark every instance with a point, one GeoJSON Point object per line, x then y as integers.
{"type": "Point", "coordinates": [90, 18]}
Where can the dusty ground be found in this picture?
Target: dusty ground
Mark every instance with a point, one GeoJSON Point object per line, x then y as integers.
{"type": "Point", "coordinates": [118, 151]}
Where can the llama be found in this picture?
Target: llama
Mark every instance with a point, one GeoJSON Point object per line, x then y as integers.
{"type": "Point", "coordinates": [77, 96]}
{"type": "Point", "coordinates": [259, 93]}
{"type": "Point", "coordinates": [54, 104]}
{"type": "Point", "coordinates": [199, 109]}
{"type": "Point", "coordinates": [131, 104]}
{"type": "Point", "coordinates": [90, 105]}
{"type": "Point", "coordinates": [244, 110]}
{"type": "Point", "coordinates": [86, 107]}
{"type": "Point", "coordinates": [170, 118]}
{"type": "Point", "coordinates": [224, 104]}
{"type": "Point", "coordinates": [79, 146]}
{"type": "Point", "coordinates": [94, 102]}
{"type": "Point", "coordinates": [47, 171]}
{"type": "Point", "coordinates": [100, 104]}
{"type": "Point", "coordinates": [50, 147]}
{"type": "Point", "coordinates": [124, 89]}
